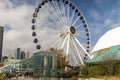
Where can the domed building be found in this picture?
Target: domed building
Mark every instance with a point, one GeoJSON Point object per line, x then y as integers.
{"type": "Point", "coordinates": [110, 38]}
{"type": "Point", "coordinates": [108, 45]}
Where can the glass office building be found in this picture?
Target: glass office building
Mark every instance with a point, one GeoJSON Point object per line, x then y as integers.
{"type": "Point", "coordinates": [44, 64]}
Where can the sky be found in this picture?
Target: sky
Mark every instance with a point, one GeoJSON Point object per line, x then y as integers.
{"type": "Point", "coordinates": [16, 15]}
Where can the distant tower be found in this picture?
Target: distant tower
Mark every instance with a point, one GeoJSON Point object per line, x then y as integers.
{"type": "Point", "coordinates": [27, 54]}
{"type": "Point", "coordinates": [17, 54]}
{"type": "Point", "coordinates": [23, 55]}
{"type": "Point", "coordinates": [1, 41]}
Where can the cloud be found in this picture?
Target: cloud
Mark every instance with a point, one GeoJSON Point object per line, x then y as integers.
{"type": "Point", "coordinates": [115, 25]}
{"type": "Point", "coordinates": [94, 14]}
{"type": "Point", "coordinates": [108, 22]}
{"type": "Point", "coordinates": [98, 1]}
{"type": "Point", "coordinates": [16, 22]}
{"type": "Point", "coordinates": [94, 28]}
{"type": "Point", "coordinates": [18, 18]}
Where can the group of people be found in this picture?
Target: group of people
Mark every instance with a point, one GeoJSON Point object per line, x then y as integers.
{"type": "Point", "coordinates": [8, 74]}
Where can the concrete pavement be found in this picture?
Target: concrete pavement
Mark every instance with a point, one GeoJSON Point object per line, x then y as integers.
{"type": "Point", "coordinates": [21, 78]}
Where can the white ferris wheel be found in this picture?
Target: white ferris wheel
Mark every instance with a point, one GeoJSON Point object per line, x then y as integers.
{"type": "Point", "coordinates": [60, 24]}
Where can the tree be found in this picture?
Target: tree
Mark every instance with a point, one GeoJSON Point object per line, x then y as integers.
{"type": "Point", "coordinates": [60, 57]}
{"type": "Point", "coordinates": [109, 62]}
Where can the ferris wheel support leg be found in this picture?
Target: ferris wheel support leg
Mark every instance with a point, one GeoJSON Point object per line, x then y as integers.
{"type": "Point", "coordinates": [82, 47]}
{"type": "Point", "coordinates": [77, 51]}
{"type": "Point", "coordinates": [64, 42]}
{"type": "Point", "coordinates": [74, 57]}
{"type": "Point", "coordinates": [67, 50]}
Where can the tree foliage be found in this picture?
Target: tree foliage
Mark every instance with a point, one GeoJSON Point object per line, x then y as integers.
{"type": "Point", "coordinates": [61, 58]}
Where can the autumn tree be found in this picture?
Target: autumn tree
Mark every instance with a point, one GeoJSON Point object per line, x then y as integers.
{"type": "Point", "coordinates": [61, 58]}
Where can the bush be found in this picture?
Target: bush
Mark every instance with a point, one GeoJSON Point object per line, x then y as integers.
{"type": "Point", "coordinates": [73, 72]}
{"type": "Point", "coordinates": [117, 70]}
{"type": "Point", "coordinates": [95, 71]}
{"type": "Point", "coordinates": [84, 72]}
{"type": "Point", "coordinates": [101, 69]}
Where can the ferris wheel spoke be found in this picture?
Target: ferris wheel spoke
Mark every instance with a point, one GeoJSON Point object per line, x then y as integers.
{"type": "Point", "coordinates": [53, 10]}
{"type": "Point", "coordinates": [64, 42]}
{"type": "Point", "coordinates": [68, 15]}
{"type": "Point", "coordinates": [58, 12]}
{"type": "Point", "coordinates": [54, 14]}
{"type": "Point", "coordinates": [72, 16]}
{"type": "Point", "coordinates": [75, 21]}
{"type": "Point", "coordinates": [57, 41]}
{"type": "Point", "coordinates": [63, 12]}
{"type": "Point", "coordinates": [77, 51]}
{"type": "Point", "coordinates": [54, 28]}
{"type": "Point", "coordinates": [78, 26]}
{"type": "Point", "coordinates": [51, 21]}
{"type": "Point", "coordinates": [53, 18]}
{"type": "Point", "coordinates": [58, 8]}
{"type": "Point", "coordinates": [82, 47]}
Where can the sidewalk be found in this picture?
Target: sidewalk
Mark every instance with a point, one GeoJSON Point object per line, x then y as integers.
{"type": "Point", "coordinates": [21, 78]}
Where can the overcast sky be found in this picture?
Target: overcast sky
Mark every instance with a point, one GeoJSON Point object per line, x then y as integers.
{"type": "Point", "coordinates": [16, 15]}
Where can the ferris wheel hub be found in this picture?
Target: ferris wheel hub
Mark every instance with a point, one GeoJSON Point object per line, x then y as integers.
{"type": "Point", "coordinates": [72, 30]}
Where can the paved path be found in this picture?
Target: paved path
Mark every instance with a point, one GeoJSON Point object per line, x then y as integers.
{"type": "Point", "coordinates": [21, 78]}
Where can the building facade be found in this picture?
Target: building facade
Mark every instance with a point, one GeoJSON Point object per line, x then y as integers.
{"type": "Point", "coordinates": [17, 53]}
{"type": "Point", "coordinates": [23, 55]}
{"type": "Point", "coordinates": [44, 64]}
{"type": "Point", "coordinates": [27, 54]}
{"type": "Point", "coordinates": [1, 41]}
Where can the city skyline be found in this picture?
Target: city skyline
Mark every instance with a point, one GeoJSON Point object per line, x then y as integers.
{"type": "Point", "coordinates": [15, 15]}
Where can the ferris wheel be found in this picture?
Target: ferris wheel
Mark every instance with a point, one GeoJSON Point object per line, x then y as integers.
{"type": "Point", "coordinates": [59, 24]}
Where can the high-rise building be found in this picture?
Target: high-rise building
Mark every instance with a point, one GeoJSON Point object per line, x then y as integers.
{"type": "Point", "coordinates": [17, 53]}
{"type": "Point", "coordinates": [1, 41]}
{"type": "Point", "coordinates": [23, 55]}
{"type": "Point", "coordinates": [27, 54]}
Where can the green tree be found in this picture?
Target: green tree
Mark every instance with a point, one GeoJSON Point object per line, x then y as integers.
{"type": "Point", "coordinates": [109, 62]}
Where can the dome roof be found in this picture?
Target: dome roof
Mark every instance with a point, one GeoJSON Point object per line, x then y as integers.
{"type": "Point", "coordinates": [110, 38]}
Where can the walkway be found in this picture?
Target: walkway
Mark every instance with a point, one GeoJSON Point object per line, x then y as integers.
{"type": "Point", "coordinates": [22, 78]}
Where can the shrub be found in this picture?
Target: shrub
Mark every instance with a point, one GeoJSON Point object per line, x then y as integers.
{"type": "Point", "coordinates": [84, 72]}
{"type": "Point", "coordinates": [95, 71]}
{"type": "Point", "coordinates": [117, 70]}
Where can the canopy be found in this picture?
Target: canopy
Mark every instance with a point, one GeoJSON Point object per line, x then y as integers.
{"type": "Point", "coordinates": [11, 68]}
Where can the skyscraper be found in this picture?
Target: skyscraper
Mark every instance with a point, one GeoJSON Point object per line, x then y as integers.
{"type": "Point", "coordinates": [27, 54]}
{"type": "Point", "coordinates": [18, 54]}
{"type": "Point", "coordinates": [1, 41]}
{"type": "Point", "coordinates": [22, 55]}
